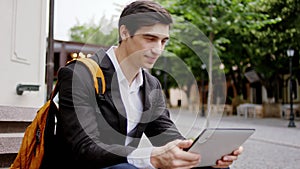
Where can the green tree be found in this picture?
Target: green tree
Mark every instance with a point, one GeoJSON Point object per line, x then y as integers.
{"type": "Point", "coordinates": [234, 28]}
{"type": "Point", "coordinates": [99, 34]}
{"type": "Point", "coordinates": [274, 40]}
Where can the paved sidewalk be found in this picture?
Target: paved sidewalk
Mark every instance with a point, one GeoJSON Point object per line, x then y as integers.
{"type": "Point", "coordinates": [272, 146]}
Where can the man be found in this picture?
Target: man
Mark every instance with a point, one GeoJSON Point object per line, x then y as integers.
{"type": "Point", "coordinates": [104, 131]}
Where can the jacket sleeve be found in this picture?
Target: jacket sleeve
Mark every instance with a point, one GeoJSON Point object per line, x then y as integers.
{"type": "Point", "coordinates": [78, 120]}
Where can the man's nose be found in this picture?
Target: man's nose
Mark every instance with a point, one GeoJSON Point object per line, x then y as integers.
{"type": "Point", "coordinates": [156, 51]}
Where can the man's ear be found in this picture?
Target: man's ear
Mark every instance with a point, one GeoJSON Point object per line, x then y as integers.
{"type": "Point", "coordinates": [124, 33]}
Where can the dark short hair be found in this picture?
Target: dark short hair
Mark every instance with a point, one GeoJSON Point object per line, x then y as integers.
{"type": "Point", "coordinates": [143, 13]}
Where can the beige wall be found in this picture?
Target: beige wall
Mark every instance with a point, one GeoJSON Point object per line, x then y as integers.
{"type": "Point", "coordinates": [23, 50]}
{"type": "Point", "coordinates": [178, 94]}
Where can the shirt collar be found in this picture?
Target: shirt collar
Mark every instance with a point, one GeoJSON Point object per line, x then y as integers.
{"type": "Point", "coordinates": [138, 80]}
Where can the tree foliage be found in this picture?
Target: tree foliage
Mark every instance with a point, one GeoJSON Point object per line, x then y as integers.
{"type": "Point", "coordinates": [248, 34]}
{"type": "Point", "coordinates": [102, 33]}
{"type": "Point", "coordinates": [274, 40]}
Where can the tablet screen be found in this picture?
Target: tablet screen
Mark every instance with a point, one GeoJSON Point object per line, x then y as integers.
{"type": "Point", "coordinates": [214, 143]}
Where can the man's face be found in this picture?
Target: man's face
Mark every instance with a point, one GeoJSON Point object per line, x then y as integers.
{"type": "Point", "coordinates": [146, 45]}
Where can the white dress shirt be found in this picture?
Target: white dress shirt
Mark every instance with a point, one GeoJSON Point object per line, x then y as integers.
{"type": "Point", "coordinates": [132, 98]}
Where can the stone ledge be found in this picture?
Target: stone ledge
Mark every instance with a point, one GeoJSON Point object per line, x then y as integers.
{"type": "Point", "coordinates": [10, 142]}
{"type": "Point", "coordinates": [8, 113]}
{"type": "Point", "coordinates": [9, 147]}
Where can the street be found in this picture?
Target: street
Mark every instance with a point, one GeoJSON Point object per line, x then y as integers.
{"type": "Point", "coordinates": [272, 146]}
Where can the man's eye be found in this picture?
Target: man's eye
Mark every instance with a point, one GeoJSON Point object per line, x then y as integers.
{"type": "Point", "coordinates": [150, 38]}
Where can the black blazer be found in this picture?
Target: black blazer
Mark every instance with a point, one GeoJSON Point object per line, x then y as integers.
{"type": "Point", "coordinates": [91, 130]}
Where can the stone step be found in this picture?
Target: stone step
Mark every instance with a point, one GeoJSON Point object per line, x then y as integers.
{"type": "Point", "coordinates": [9, 147]}
{"type": "Point", "coordinates": [17, 114]}
{"type": "Point", "coordinates": [13, 123]}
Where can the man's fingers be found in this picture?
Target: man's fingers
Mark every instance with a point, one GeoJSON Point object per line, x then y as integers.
{"type": "Point", "coordinates": [172, 155]}
{"type": "Point", "coordinates": [225, 161]}
{"type": "Point", "coordinates": [223, 164]}
{"type": "Point", "coordinates": [229, 158]}
{"type": "Point", "coordinates": [183, 163]}
{"type": "Point", "coordinates": [184, 143]}
{"type": "Point", "coordinates": [187, 156]}
{"type": "Point", "coordinates": [238, 151]}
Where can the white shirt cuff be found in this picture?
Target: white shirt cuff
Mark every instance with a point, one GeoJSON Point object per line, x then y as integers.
{"type": "Point", "coordinates": [140, 158]}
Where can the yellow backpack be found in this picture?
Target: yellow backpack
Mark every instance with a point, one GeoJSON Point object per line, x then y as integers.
{"type": "Point", "coordinates": [31, 152]}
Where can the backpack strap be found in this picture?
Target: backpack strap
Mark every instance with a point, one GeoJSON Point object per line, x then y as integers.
{"type": "Point", "coordinates": [96, 72]}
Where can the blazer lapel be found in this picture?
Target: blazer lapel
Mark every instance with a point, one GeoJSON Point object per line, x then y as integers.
{"type": "Point", "coordinates": [117, 100]}
{"type": "Point", "coordinates": [113, 95]}
{"type": "Point", "coordinates": [146, 116]}
{"type": "Point", "coordinates": [146, 93]}
{"type": "Point", "coordinates": [153, 99]}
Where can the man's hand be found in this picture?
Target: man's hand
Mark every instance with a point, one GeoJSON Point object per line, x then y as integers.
{"type": "Point", "coordinates": [227, 160]}
{"type": "Point", "coordinates": [173, 156]}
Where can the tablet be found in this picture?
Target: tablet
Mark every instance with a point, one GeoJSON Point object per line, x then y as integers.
{"type": "Point", "coordinates": [214, 143]}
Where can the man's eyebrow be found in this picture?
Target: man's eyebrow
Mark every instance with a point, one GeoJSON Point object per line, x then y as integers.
{"type": "Point", "coordinates": [154, 36]}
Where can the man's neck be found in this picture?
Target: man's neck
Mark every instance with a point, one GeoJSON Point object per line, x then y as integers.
{"type": "Point", "coordinates": [129, 70]}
